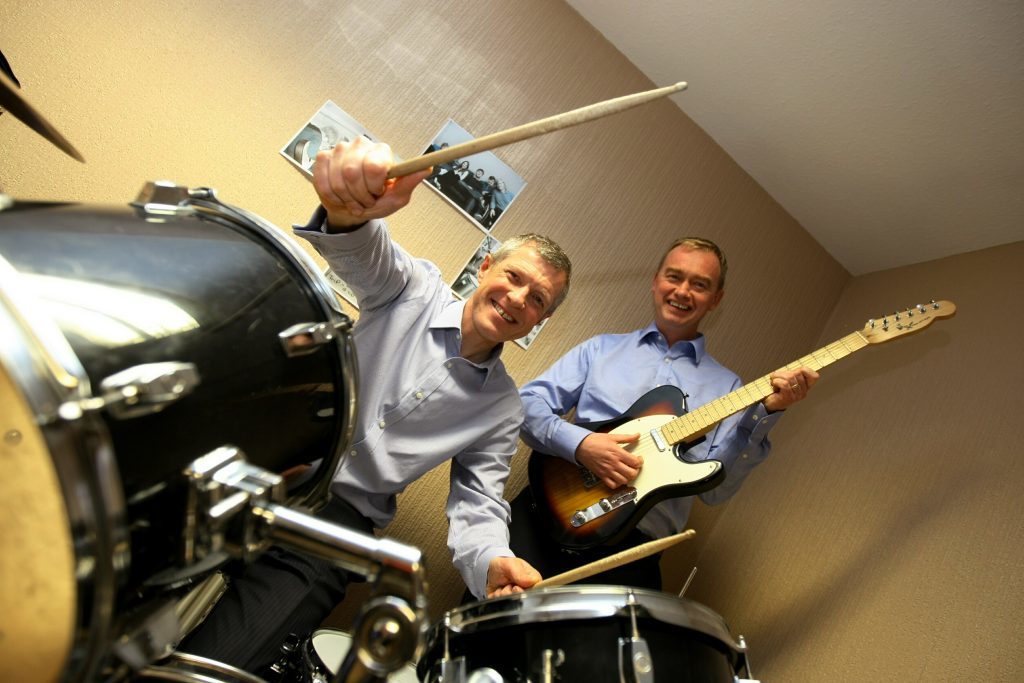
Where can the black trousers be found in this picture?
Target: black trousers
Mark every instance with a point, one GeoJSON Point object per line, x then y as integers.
{"type": "Point", "coordinates": [530, 541]}
{"type": "Point", "coordinates": [280, 593]}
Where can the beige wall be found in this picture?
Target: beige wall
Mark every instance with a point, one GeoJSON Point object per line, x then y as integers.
{"type": "Point", "coordinates": [883, 539]}
{"type": "Point", "coordinates": [855, 548]}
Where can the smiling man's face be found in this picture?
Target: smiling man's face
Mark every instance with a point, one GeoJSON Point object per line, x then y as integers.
{"type": "Point", "coordinates": [514, 295]}
{"type": "Point", "coordinates": [685, 289]}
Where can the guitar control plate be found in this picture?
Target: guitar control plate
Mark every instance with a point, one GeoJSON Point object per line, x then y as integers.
{"type": "Point", "coordinates": [603, 507]}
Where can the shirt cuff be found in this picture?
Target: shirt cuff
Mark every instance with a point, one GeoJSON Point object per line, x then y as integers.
{"type": "Point", "coordinates": [479, 588]}
{"type": "Point", "coordinates": [318, 223]}
{"type": "Point", "coordinates": [567, 438]}
{"type": "Point", "coordinates": [757, 422]}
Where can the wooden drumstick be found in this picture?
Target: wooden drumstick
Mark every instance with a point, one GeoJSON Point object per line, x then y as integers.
{"type": "Point", "coordinates": [616, 560]}
{"type": "Point", "coordinates": [530, 130]}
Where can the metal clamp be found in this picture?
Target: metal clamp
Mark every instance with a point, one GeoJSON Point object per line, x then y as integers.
{"type": "Point", "coordinates": [232, 508]}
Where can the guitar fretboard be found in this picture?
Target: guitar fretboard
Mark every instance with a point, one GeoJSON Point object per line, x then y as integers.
{"type": "Point", "coordinates": [697, 421]}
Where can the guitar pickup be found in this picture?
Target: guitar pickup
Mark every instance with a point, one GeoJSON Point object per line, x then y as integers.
{"type": "Point", "coordinates": [603, 507]}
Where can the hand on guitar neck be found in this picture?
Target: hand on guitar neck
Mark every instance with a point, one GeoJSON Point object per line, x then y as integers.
{"type": "Point", "coordinates": [789, 387]}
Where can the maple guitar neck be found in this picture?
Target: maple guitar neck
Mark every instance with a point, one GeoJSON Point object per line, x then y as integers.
{"type": "Point", "coordinates": [700, 420]}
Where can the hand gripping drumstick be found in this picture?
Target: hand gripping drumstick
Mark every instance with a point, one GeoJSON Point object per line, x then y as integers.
{"type": "Point", "coordinates": [530, 130]}
{"type": "Point", "coordinates": [616, 560]}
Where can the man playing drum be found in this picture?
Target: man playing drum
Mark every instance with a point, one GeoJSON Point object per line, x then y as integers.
{"type": "Point", "coordinates": [433, 388]}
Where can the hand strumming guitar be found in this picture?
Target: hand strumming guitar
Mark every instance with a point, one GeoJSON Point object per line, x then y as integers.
{"type": "Point", "coordinates": [606, 457]}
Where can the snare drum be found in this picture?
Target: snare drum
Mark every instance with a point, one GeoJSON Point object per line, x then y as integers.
{"type": "Point", "coordinates": [325, 650]}
{"type": "Point", "coordinates": [582, 633]}
{"type": "Point", "coordinates": [133, 342]}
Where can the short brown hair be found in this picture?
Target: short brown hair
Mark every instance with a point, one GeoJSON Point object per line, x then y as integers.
{"type": "Point", "coordinates": [701, 244]}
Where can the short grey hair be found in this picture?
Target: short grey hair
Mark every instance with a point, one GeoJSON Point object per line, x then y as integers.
{"type": "Point", "coordinates": [548, 250]}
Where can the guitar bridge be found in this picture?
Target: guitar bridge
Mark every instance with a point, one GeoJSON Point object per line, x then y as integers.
{"type": "Point", "coordinates": [603, 507]}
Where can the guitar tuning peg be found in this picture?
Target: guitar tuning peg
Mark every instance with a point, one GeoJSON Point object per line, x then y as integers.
{"type": "Point", "coordinates": [935, 304]}
{"type": "Point", "coordinates": [871, 323]}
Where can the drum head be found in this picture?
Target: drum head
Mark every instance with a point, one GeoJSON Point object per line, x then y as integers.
{"type": "Point", "coordinates": [37, 565]}
{"type": "Point", "coordinates": [330, 647]}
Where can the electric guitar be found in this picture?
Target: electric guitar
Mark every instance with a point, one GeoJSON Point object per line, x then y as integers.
{"type": "Point", "coordinates": [582, 511]}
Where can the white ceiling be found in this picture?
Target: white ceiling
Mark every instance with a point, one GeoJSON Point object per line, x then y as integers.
{"type": "Point", "coordinates": [892, 130]}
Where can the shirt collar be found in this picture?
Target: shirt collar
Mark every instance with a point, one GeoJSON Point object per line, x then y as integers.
{"type": "Point", "coordinates": [450, 320]}
{"type": "Point", "coordinates": [693, 348]}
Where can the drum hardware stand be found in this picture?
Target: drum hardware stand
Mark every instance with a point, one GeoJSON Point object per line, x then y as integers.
{"type": "Point", "coordinates": [232, 509]}
{"type": "Point", "coordinates": [635, 662]}
{"type": "Point", "coordinates": [693, 572]}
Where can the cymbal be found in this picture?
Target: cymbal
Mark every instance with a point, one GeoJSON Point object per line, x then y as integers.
{"type": "Point", "coordinates": [14, 103]}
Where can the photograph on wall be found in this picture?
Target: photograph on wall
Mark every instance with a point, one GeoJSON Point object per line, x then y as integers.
{"type": "Point", "coordinates": [466, 283]}
{"type": "Point", "coordinates": [481, 186]}
{"type": "Point", "coordinates": [328, 126]}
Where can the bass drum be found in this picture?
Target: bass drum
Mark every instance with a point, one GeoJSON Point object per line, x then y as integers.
{"type": "Point", "coordinates": [585, 633]}
{"type": "Point", "coordinates": [134, 342]}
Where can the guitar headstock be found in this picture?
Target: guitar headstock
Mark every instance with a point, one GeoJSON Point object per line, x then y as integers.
{"type": "Point", "coordinates": [910, 320]}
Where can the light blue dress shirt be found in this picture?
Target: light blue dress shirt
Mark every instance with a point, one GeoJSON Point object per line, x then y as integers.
{"type": "Point", "coordinates": [421, 404]}
{"type": "Point", "coordinates": [605, 375]}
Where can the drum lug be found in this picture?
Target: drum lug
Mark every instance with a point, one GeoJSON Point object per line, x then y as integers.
{"type": "Point", "coordinates": [635, 663]}
{"type": "Point", "coordinates": [161, 199]}
{"type": "Point", "coordinates": [138, 390]}
{"type": "Point", "coordinates": [305, 338]}
{"type": "Point", "coordinates": [550, 660]}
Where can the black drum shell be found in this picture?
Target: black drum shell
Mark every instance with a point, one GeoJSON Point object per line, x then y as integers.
{"type": "Point", "coordinates": [241, 291]}
{"type": "Point", "coordinates": [687, 641]}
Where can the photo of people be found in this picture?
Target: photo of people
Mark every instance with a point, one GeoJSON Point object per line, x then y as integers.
{"type": "Point", "coordinates": [466, 282]}
{"type": "Point", "coordinates": [481, 185]}
{"type": "Point", "coordinates": [329, 126]}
